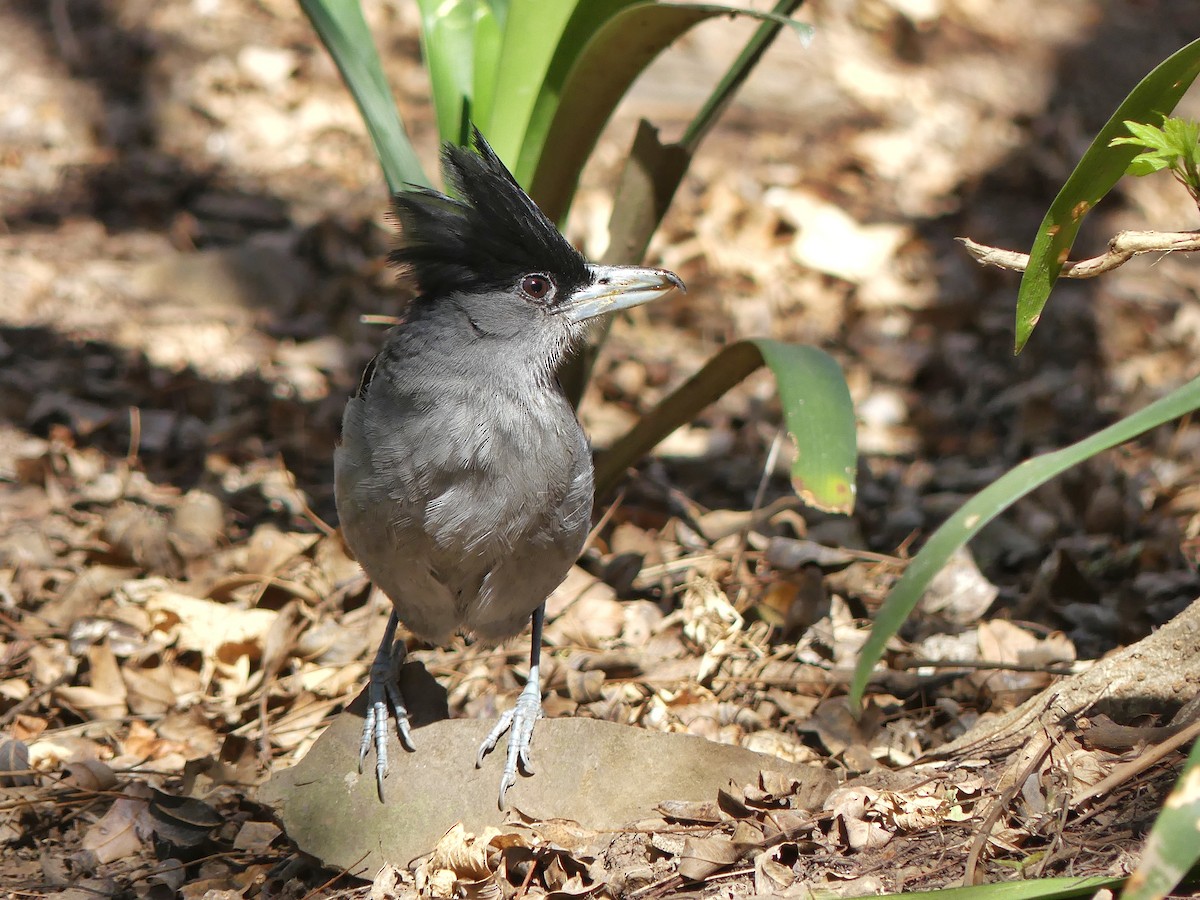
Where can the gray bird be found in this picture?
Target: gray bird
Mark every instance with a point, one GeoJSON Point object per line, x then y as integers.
{"type": "Point", "coordinates": [463, 479]}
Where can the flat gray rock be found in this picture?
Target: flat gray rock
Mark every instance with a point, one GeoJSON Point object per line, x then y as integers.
{"type": "Point", "coordinates": [602, 775]}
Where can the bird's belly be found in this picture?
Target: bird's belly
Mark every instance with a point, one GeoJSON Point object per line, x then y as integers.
{"type": "Point", "coordinates": [479, 557]}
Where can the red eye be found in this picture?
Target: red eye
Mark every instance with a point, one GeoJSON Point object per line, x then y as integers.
{"type": "Point", "coordinates": [536, 287]}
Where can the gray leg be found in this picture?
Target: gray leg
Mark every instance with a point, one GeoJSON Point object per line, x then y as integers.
{"type": "Point", "coordinates": [383, 693]}
{"type": "Point", "coordinates": [521, 718]}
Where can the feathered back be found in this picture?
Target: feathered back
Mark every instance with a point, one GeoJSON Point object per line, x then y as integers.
{"type": "Point", "coordinates": [487, 239]}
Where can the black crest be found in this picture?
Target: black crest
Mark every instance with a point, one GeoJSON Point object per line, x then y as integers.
{"type": "Point", "coordinates": [485, 239]}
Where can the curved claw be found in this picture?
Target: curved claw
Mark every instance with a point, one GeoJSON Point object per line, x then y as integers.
{"type": "Point", "coordinates": [384, 696]}
{"type": "Point", "coordinates": [518, 722]}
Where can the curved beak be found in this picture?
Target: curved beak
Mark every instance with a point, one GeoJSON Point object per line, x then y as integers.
{"type": "Point", "coordinates": [615, 288]}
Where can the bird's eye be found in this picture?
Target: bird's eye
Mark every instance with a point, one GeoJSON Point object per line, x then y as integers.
{"type": "Point", "coordinates": [537, 287]}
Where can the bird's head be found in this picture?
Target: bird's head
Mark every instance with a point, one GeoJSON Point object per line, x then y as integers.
{"type": "Point", "coordinates": [492, 257]}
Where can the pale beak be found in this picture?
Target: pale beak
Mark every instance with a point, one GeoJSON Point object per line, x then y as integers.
{"type": "Point", "coordinates": [615, 288]}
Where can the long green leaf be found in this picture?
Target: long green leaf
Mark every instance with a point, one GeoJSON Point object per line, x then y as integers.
{"type": "Point", "coordinates": [1173, 846]}
{"type": "Point", "coordinates": [1099, 169]}
{"type": "Point", "coordinates": [343, 31]}
{"type": "Point", "coordinates": [489, 36]}
{"type": "Point", "coordinates": [817, 412]}
{"type": "Point", "coordinates": [448, 30]}
{"type": "Point", "coordinates": [989, 503]}
{"type": "Point", "coordinates": [571, 113]}
{"type": "Point", "coordinates": [531, 38]}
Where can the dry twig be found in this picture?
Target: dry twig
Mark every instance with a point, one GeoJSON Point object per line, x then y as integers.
{"type": "Point", "coordinates": [1121, 249]}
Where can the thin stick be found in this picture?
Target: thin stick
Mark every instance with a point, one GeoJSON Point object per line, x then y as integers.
{"type": "Point", "coordinates": [1121, 249]}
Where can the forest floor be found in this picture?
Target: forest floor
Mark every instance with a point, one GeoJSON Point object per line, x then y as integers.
{"type": "Point", "coordinates": [192, 225]}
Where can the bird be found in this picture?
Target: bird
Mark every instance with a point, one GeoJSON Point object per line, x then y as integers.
{"type": "Point", "coordinates": [463, 478]}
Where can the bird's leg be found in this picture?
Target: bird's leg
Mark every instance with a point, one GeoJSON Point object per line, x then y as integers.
{"type": "Point", "coordinates": [383, 693]}
{"type": "Point", "coordinates": [521, 718]}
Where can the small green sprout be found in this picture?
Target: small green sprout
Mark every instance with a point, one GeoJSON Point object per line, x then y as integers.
{"type": "Point", "coordinates": [1175, 146]}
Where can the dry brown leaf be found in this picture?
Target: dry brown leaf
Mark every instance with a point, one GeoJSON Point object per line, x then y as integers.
{"type": "Point", "coordinates": [850, 807]}
{"type": "Point", "coordinates": [270, 549]}
{"type": "Point", "coordinates": [593, 620]}
{"type": "Point", "coordinates": [52, 751]}
{"type": "Point", "coordinates": [105, 697]}
{"type": "Point", "coordinates": [960, 592]}
{"type": "Point", "coordinates": [470, 857]}
{"type": "Point", "coordinates": [256, 837]}
{"type": "Point", "coordinates": [1003, 642]}
{"type": "Point", "coordinates": [702, 857]}
{"type": "Point", "coordinates": [118, 833]}
{"type": "Point", "coordinates": [770, 874]}
{"type": "Point", "coordinates": [224, 636]}
{"type": "Point", "coordinates": [143, 743]}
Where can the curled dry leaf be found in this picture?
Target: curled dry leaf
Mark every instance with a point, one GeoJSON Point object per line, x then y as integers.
{"type": "Point", "coordinates": [850, 807]}
{"type": "Point", "coordinates": [120, 831]}
{"type": "Point", "coordinates": [386, 883]}
{"type": "Point", "coordinates": [771, 873]}
{"type": "Point", "coordinates": [960, 592]}
{"type": "Point", "coordinates": [138, 534]}
{"type": "Point", "coordinates": [270, 549]}
{"type": "Point", "coordinates": [181, 821]}
{"type": "Point", "coordinates": [470, 857]}
{"type": "Point", "coordinates": [256, 836]}
{"type": "Point", "coordinates": [124, 638]}
{"type": "Point", "coordinates": [105, 697]}
{"type": "Point", "coordinates": [702, 857]}
{"type": "Point", "coordinates": [197, 525]}
{"type": "Point", "coordinates": [593, 620]}
{"type": "Point", "coordinates": [791, 555]}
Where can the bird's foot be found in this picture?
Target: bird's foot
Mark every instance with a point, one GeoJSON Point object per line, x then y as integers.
{"type": "Point", "coordinates": [383, 695]}
{"type": "Point", "coordinates": [518, 722]}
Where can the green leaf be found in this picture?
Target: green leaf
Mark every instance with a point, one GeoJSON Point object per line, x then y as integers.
{"type": "Point", "coordinates": [580, 94]}
{"type": "Point", "coordinates": [1099, 169]}
{"type": "Point", "coordinates": [1183, 134]}
{"type": "Point", "coordinates": [489, 36]}
{"type": "Point", "coordinates": [651, 176]}
{"type": "Point", "coordinates": [989, 503]}
{"type": "Point", "coordinates": [500, 12]}
{"type": "Point", "coordinates": [530, 40]}
{"type": "Point", "coordinates": [343, 31]}
{"type": "Point", "coordinates": [448, 44]}
{"type": "Point", "coordinates": [1147, 164]}
{"type": "Point", "coordinates": [1144, 136]}
{"type": "Point", "coordinates": [817, 412]}
{"type": "Point", "coordinates": [1173, 846]}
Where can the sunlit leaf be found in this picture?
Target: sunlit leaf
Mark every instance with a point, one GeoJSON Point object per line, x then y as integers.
{"type": "Point", "coordinates": [817, 412]}
{"type": "Point", "coordinates": [1099, 169]}
{"type": "Point", "coordinates": [578, 100]}
{"type": "Point", "coordinates": [448, 44]}
{"type": "Point", "coordinates": [343, 31]}
{"type": "Point", "coordinates": [530, 40]}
